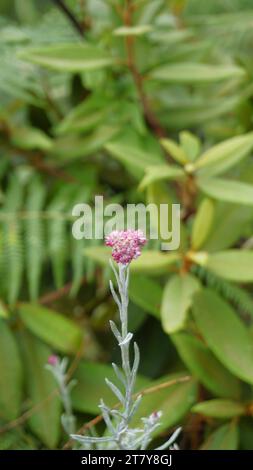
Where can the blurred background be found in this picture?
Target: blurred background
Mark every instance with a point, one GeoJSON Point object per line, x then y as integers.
{"type": "Point", "coordinates": [88, 89]}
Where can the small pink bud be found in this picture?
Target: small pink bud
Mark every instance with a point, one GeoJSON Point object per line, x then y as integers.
{"type": "Point", "coordinates": [53, 360]}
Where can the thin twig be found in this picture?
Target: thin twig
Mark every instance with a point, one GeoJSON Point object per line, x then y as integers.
{"type": "Point", "coordinates": [69, 14]}
{"type": "Point", "coordinates": [150, 117]}
{"type": "Point", "coordinates": [58, 294]}
{"type": "Point", "coordinates": [145, 391]}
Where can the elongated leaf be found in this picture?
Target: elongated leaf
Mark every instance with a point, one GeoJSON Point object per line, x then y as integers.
{"type": "Point", "coordinates": [146, 293]}
{"type": "Point", "coordinates": [228, 226]}
{"type": "Point", "coordinates": [72, 147]}
{"type": "Point", "coordinates": [171, 37]}
{"type": "Point", "coordinates": [157, 195]}
{"type": "Point", "coordinates": [87, 115]}
{"type": "Point", "coordinates": [202, 223]}
{"type": "Point", "coordinates": [190, 144]}
{"type": "Point", "coordinates": [153, 262]}
{"type": "Point", "coordinates": [175, 151]}
{"type": "Point", "coordinates": [161, 172]}
{"type": "Point", "coordinates": [11, 376]}
{"type": "Point", "coordinates": [137, 30]}
{"type": "Point", "coordinates": [41, 391]}
{"type": "Point", "coordinates": [204, 365]}
{"type": "Point", "coordinates": [224, 438]}
{"type": "Point", "coordinates": [177, 299]}
{"type": "Point", "coordinates": [195, 73]}
{"type": "Point", "coordinates": [223, 156]}
{"type": "Point", "coordinates": [227, 190]}
{"type": "Point", "coordinates": [76, 122]}
{"type": "Point", "coordinates": [55, 329]}
{"type": "Point", "coordinates": [74, 57]}
{"type": "Point", "coordinates": [234, 265]}
{"type": "Point", "coordinates": [218, 408]}
{"type": "Point", "coordinates": [133, 156]}
{"type": "Point", "coordinates": [193, 113]}
{"type": "Point", "coordinates": [30, 138]}
{"type": "Point", "coordinates": [224, 333]}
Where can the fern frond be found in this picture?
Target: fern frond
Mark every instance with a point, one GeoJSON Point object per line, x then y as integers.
{"type": "Point", "coordinates": [58, 243]}
{"type": "Point", "coordinates": [34, 236]}
{"type": "Point", "coordinates": [77, 259]}
{"type": "Point", "coordinates": [12, 239]}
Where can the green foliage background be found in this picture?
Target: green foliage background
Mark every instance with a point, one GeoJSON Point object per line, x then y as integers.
{"type": "Point", "coordinates": [140, 101]}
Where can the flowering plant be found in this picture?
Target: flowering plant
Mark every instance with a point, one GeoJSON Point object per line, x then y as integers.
{"type": "Point", "coordinates": [119, 435]}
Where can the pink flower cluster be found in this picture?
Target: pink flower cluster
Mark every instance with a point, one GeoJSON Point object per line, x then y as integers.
{"type": "Point", "coordinates": [126, 245]}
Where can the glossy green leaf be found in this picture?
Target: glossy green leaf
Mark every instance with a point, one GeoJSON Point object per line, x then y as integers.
{"type": "Point", "coordinates": [161, 195]}
{"type": "Point", "coordinates": [87, 115]}
{"type": "Point", "coordinates": [225, 334]}
{"type": "Point", "coordinates": [71, 147]}
{"type": "Point", "coordinates": [234, 265]}
{"type": "Point", "coordinates": [75, 57]}
{"type": "Point", "coordinates": [227, 190]}
{"type": "Point", "coordinates": [177, 300]}
{"type": "Point", "coordinates": [223, 156]}
{"type": "Point", "coordinates": [181, 115]}
{"type": "Point", "coordinates": [204, 365]}
{"type": "Point", "coordinates": [153, 262]}
{"type": "Point", "coordinates": [77, 123]}
{"type": "Point", "coordinates": [195, 73]}
{"type": "Point", "coordinates": [11, 376]}
{"type": "Point", "coordinates": [174, 150]}
{"type": "Point", "coordinates": [146, 293]}
{"type": "Point", "coordinates": [218, 408]}
{"type": "Point", "coordinates": [30, 138]}
{"type": "Point", "coordinates": [55, 329]}
{"type": "Point", "coordinates": [171, 37]}
{"type": "Point", "coordinates": [41, 391]}
{"type": "Point", "coordinates": [228, 227]}
{"type": "Point", "coordinates": [161, 172]}
{"type": "Point", "coordinates": [225, 437]}
{"type": "Point", "coordinates": [190, 144]}
{"type": "Point", "coordinates": [202, 223]}
{"type": "Point", "coordinates": [133, 156]}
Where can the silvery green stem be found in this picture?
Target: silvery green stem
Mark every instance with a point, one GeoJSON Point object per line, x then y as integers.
{"type": "Point", "coordinates": [119, 434]}
{"type": "Point", "coordinates": [59, 372]}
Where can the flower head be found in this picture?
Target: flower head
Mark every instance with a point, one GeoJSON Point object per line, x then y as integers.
{"type": "Point", "coordinates": [53, 360]}
{"type": "Point", "coordinates": [126, 245]}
